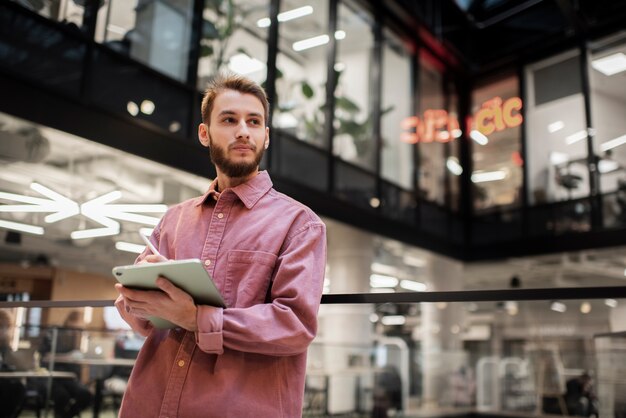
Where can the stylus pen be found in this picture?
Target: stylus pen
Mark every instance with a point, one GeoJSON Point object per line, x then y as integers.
{"type": "Point", "coordinates": [150, 245]}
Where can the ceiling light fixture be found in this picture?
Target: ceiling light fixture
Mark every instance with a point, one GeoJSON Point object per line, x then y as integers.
{"type": "Point", "coordinates": [479, 137]}
{"type": "Point", "coordinates": [558, 307]}
{"type": "Point", "coordinates": [412, 285]}
{"type": "Point", "coordinates": [393, 320]}
{"type": "Point", "coordinates": [611, 303]}
{"type": "Point", "coordinates": [132, 108]}
{"type": "Point", "coordinates": [129, 247]}
{"type": "Point", "coordinates": [98, 210]}
{"type": "Point", "coordinates": [555, 126]}
{"type": "Point", "coordinates": [615, 142]}
{"type": "Point", "coordinates": [316, 41]}
{"type": "Point", "coordinates": [379, 280]}
{"type": "Point", "coordinates": [16, 226]}
{"type": "Point", "coordinates": [484, 176]}
{"type": "Point", "coordinates": [575, 137]}
{"type": "Point", "coordinates": [452, 164]}
{"type": "Point", "coordinates": [585, 307]}
{"type": "Point", "coordinates": [147, 107]}
{"type": "Point", "coordinates": [60, 205]}
{"type": "Point", "coordinates": [611, 64]}
{"type": "Point", "coordinates": [286, 16]}
{"type": "Point", "coordinates": [383, 269]}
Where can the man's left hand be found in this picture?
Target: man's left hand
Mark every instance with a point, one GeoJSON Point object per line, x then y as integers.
{"type": "Point", "coordinates": [172, 304]}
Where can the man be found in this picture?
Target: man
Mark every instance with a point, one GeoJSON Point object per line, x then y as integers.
{"type": "Point", "coordinates": [266, 254]}
{"type": "Point", "coordinates": [12, 391]}
{"type": "Point", "coordinates": [70, 396]}
{"type": "Point", "coordinates": [580, 397]}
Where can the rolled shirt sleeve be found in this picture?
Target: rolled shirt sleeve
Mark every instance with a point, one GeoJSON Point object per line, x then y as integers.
{"type": "Point", "coordinates": [209, 336]}
{"type": "Point", "coordinates": [288, 324]}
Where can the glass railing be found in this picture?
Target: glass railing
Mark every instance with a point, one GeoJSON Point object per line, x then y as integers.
{"type": "Point", "coordinates": [526, 352]}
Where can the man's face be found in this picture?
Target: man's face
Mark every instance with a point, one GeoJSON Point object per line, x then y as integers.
{"type": "Point", "coordinates": [237, 135]}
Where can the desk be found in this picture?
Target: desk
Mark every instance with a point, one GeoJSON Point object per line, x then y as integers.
{"type": "Point", "coordinates": [99, 366]}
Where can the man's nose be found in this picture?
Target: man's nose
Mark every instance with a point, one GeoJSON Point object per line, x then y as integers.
{"type": "Point", "coordinates": [242, 130]}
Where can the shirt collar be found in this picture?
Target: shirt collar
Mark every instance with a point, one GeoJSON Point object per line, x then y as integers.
{"type": "Point", "coordinates": [249, 192]}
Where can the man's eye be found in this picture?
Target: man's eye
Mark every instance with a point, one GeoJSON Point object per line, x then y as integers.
{"type": "Point", "coordinates": [229, 120]}
{"type": "Point", "coordinates": [255, 122]}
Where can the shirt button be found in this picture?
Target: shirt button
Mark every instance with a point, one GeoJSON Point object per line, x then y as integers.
{"type": "Point", "coordinates": [220, 215]}
{"type": "Point", "coordinates": [207, 262]}
{"type": "Point", "coordinates": [181, 363]}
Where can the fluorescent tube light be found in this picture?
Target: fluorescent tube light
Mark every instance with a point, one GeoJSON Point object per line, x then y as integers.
{"type": "Point", "coordinates": [479, 137]}
{"type": "Point", "coordinates": [452, 164]}
{"type": "Point", "coordinates": [59, 204]}
{"type": "Point", "coordinates": [611, 64]}
{"type": "Point", "coordinates": [575, 137]}
{"type": "Point", "coordinates": [613, 143]}
{"type": "Point", "coordinates": [316, 41]}
{"type": "Point", "coordinates": [379, 280]}
{"type": "Point", "coordinates": [414, 286]}
{"type": "Point", "coordinates": [310, 42]}
{"type": "Point", "coordinates": [481, 177]}
{"type": "Point", "coordinates": [286, 16]}
{"type": "Point", "coordinates": [393, 320]}
{"type": "Point", "coordinates": [555, 126]}
{"type": "Point", "coordinates": [129, 247]}
{"type": "Point", "coordinates": [383, 269]}
{"type": "Point", "coordinates": [96, 232]}
{"type": "Point", "coordinates": [16, 226]}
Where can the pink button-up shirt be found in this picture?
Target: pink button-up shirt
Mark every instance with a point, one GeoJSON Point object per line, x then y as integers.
{"type": "Point", "coordinates": [267, 255]}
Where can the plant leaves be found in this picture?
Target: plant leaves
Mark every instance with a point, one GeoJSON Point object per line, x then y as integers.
{"type": "Point", "coordinates": [209, 31]}
{"type": "Point", "coordinates": [206, 50]}
{"type": "Point", "coordinates": [307, 90]}
{"type": "Point", "coordinates": [347, 105]}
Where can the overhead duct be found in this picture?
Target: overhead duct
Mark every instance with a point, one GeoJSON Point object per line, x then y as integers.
{"type": "Point", "coordinates": [21, 142]}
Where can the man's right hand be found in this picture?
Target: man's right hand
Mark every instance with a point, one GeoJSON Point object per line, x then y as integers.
{"type": "Point", "coordinates": [153, 259]}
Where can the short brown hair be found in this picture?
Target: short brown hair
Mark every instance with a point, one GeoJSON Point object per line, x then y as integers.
{"type": "Point", "coordinates": [235, 82]}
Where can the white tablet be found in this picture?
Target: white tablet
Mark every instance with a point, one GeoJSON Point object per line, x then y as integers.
{"type": "Point", "coordinates": [189, 275]}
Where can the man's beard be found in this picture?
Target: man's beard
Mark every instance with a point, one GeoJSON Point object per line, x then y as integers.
{"type": "Point", "coordinates": [229, 168]}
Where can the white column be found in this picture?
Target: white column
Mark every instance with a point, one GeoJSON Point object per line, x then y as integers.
{"type": "Point", "coordinates": [346, 331]}
{"type": "Point", "coordinates": [442, 325]}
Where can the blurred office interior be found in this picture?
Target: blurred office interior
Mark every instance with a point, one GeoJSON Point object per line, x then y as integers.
{"type": "Point", "coordinates": [467, 157]}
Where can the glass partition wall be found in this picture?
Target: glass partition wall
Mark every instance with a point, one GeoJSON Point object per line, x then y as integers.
{"type": "Point", "coordinates": [560, 134]}
{"type": "Point", "coordinates": [521, 357]}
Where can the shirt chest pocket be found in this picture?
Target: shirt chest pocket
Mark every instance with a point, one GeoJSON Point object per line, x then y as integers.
{"type": "Point", "coordinates": [248, 277]}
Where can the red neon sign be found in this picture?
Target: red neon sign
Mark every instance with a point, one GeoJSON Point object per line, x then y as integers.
{"type": "Point", "coordinates": [438, 125]}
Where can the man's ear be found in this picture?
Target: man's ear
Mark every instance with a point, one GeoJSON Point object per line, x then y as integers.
{"type": "Point", "coordinates": [203, 134]}
{"type": "Point", "coordinates": [267, 138]}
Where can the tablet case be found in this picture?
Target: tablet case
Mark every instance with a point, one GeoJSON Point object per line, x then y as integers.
{"type": "Point", "coordinates": [188, 275]}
